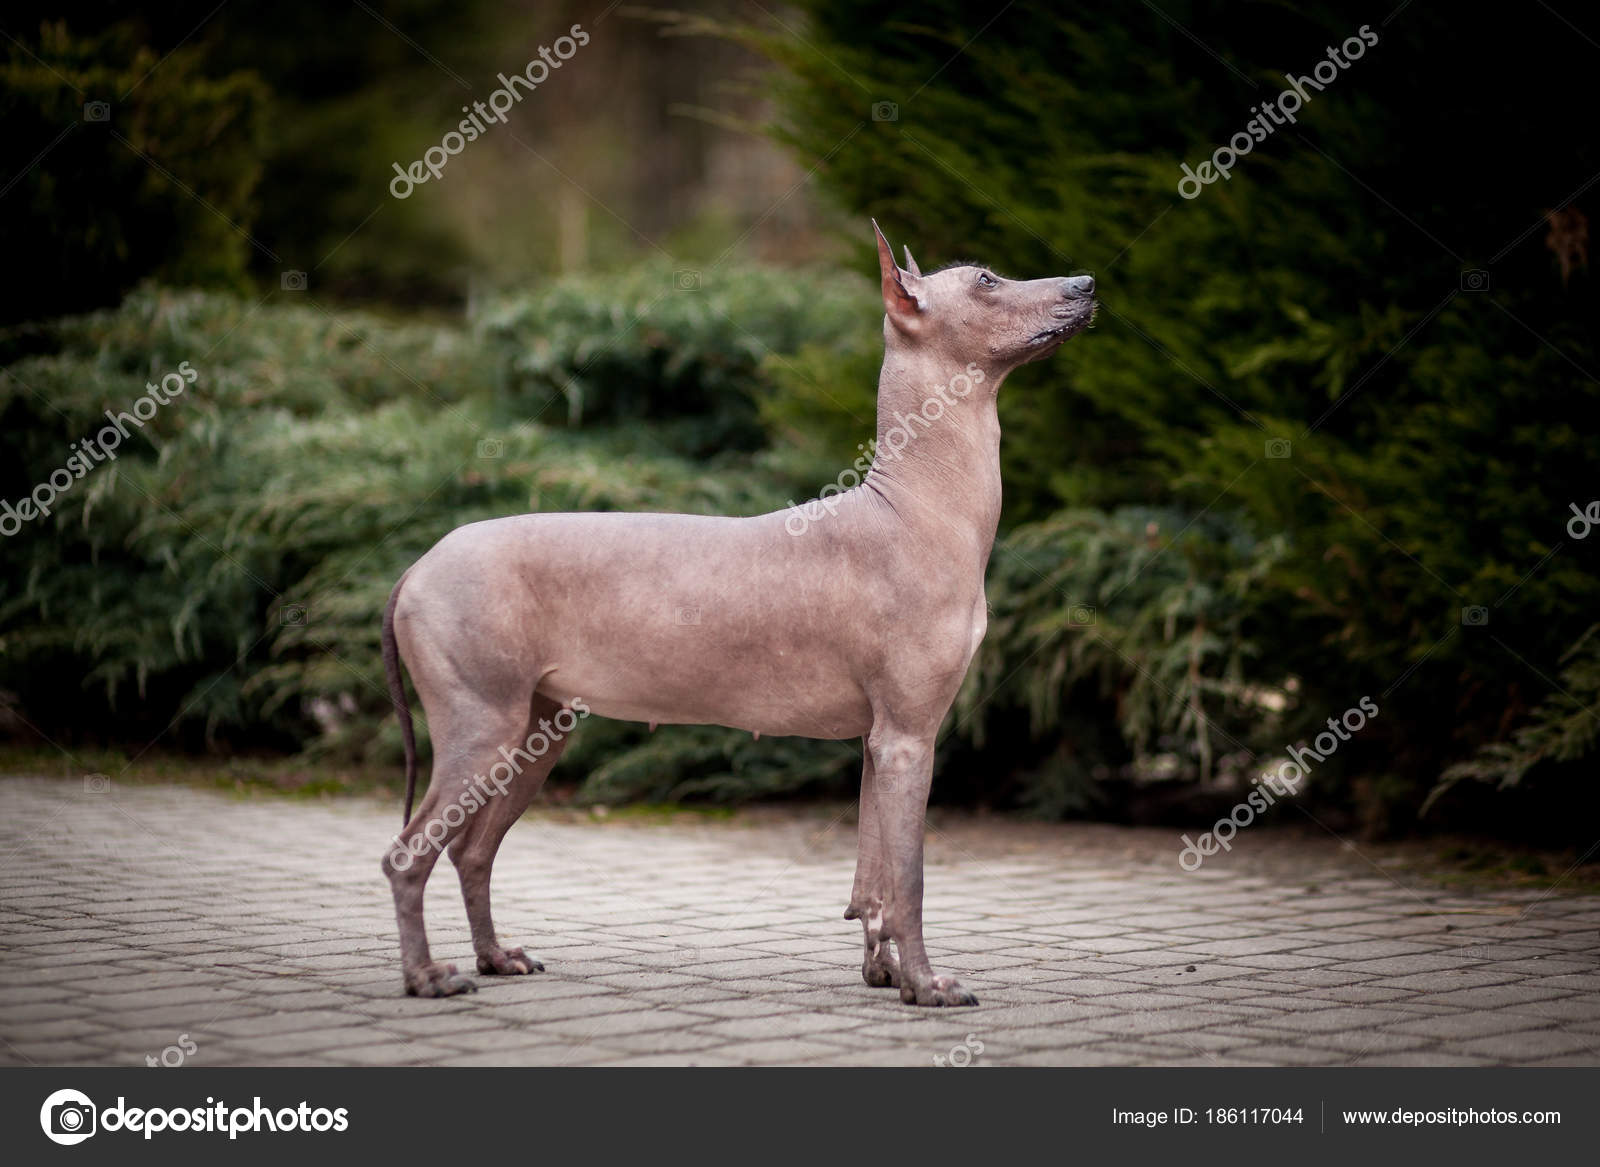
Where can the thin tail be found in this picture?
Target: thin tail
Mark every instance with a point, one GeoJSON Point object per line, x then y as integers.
{"type": "Point", "coordinates": [397, 694]}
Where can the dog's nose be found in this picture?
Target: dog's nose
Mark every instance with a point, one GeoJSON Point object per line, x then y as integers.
{"type": "Point", "coordinates": [1078, 287]}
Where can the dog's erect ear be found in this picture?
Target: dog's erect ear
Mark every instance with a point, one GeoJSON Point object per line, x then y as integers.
{"type": "Point", "coordinates": [911, 264]}
{"type": "Point", "coordinates": [900, 288]}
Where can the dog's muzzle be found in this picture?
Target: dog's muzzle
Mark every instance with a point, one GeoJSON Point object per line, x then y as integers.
{"type": "Point", "coordinates": [1075, 310]}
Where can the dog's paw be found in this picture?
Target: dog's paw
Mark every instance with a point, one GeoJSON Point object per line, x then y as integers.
{"type": "Point", "coordinates": [508, 962]}
{"type": "Point", "coordinates": [936, 991]}
{"type": "Point", "coordinates": [437, 980]}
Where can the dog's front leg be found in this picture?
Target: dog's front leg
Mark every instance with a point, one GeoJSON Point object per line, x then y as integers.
{"type": "Point", "coordinates": [872, 888]}
{"type": "Point", "coordinates": [903, 772]}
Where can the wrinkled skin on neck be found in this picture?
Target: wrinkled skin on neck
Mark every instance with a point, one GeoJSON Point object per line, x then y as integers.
{"type": "Point", "coordinates": [860, 624]}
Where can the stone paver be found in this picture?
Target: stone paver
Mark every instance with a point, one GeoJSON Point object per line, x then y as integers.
{"type": "Point", "coordinates": [172, 922]}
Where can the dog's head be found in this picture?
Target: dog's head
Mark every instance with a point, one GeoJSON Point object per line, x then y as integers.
{"type": "Point", "coordinates": [966, 313]}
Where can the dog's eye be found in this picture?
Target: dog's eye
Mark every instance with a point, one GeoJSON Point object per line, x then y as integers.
{"type": "Point", "coordinates": [985, 280]}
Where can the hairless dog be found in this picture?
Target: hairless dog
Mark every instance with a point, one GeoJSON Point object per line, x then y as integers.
{"type": "Point", "coordinates": [860, 624]}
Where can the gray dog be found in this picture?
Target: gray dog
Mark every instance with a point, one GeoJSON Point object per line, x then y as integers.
{"type": "Point", "coordinates": [860, 624]}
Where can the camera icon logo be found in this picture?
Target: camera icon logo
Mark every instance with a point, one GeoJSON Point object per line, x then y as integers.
{"type": "Point", "coordinates": [688, 615]}
{"type": "Point", "coordinates": [96, 784]}
{"type": "Point", "coordinates": [686, 281]}
{"type": "Point", "coordinates": [1475, 280]}
{"type": "Point", "coordinates": [885, 111]}
{"type": "Point", "coordinates": [293, 281]}
{"type": "Point", "coordinates": [1082, 615]}
{"type": "Point", "coordinates": [292, 616]}
{"type": "Point", "coordinates": [68, 1117]}
{"type": "Point", "coordinates": [490, 447]}
{"type": "Point", "coordinates": [1278, 448]}
{"type": "Point", "coordinates": [97, 111]}
{"type": "Point", "coordinates": [1475, 616]}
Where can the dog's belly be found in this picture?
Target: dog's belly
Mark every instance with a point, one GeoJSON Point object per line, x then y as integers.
{"type": "Point", "coordinates": [772, 715]}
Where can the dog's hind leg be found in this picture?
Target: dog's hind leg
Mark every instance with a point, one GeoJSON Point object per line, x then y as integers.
{"type": "Point", "coordinates": [510, 786]}
{"type": "Point", "coordinates": [878, 965]}
{"type": "Point", "coordinates": [466, 741]}
{"type": "Point", "coordinates": [477, 706]}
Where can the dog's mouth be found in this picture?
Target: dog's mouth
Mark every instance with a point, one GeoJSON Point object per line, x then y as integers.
{"type": "Point", "coordinates": [1074, 322]}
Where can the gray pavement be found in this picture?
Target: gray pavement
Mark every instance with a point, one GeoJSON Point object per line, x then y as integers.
{"type": "Point", "coordinates": [188, 925]}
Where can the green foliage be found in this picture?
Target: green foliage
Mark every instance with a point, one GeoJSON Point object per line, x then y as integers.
{"type": "Point", "coordinates": [1171, 650]}
{"type": "Point", "coordinates": [1562, 729]}
{"type": "Point", "coordinates": [655, 344]}
{"type": "Point", "coordinates": [1437, 430]}
{"type": "Point", "coordinates": [153, 581]}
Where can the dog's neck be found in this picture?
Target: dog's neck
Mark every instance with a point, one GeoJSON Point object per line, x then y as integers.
{"type": "Point", "coordinates": [941, 476]}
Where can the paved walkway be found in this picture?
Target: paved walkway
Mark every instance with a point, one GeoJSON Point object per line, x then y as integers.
{"type": "Point", "coordinates": [176, 923]}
